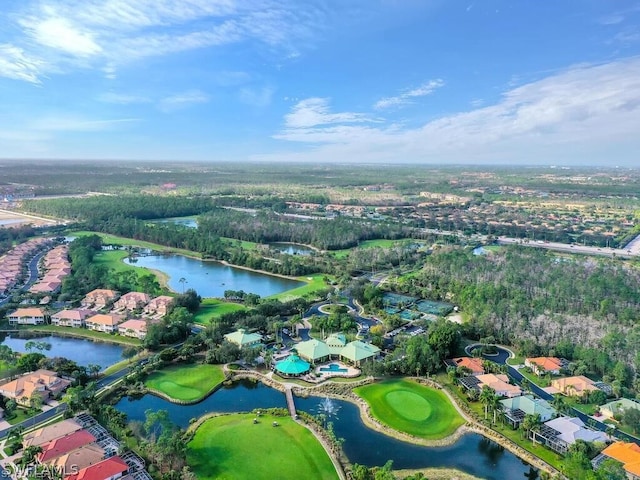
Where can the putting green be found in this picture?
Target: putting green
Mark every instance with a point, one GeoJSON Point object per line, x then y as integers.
{"type": "Point", "coordinates": [407, 406]}
{"type": "Point", "coordinates": [188, 382]}
{"type": "Point", "coordinates": [233, 447]}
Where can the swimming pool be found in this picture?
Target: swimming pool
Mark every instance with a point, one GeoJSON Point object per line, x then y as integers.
{"type": "Point", "coordinates": [334, 368]}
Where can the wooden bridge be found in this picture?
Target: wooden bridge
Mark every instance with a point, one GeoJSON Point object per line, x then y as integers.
{"type": "Point", "coordinates": [290, 405]}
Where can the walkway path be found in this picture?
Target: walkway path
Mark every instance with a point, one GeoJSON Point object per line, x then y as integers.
{"type": "Point", "coordinates": [290, 404]}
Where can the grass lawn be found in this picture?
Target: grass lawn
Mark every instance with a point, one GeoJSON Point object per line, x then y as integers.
{"type": "Point", "coordinates": [233, 447]}
{"type": "Point", "coordinates": [409, 407]}
{"type": "Point", "coordinates": [212, 308]}
{"type": "Point", "coordinates": [21, 416]}
{"type": "Point", "coordinates": [380, 243]}
{"type": "Point", "coordinates": [115, 240]}
{"type": "Point", "coordinates": [242, 243]}
{"type": "Point", "coordinates": [85, 333]}
{"type": "Point", "coordinates": [186, 382]}
{"type": "Point", "coordinates": [314, 283]}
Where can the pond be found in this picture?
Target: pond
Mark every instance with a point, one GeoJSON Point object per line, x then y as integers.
{"type": "Point", "coordinates": [184, 221]}
{"type": "Point", "coordinates": [472, 453]}
{"type": "Point", "coordinates": [291, 248]}
{"type": "Point", "coordinates": [211, 279]}
{"type": "Point", "coordinates": [80, 350]}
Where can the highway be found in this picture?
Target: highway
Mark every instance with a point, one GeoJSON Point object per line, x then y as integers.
{"type": "Point", "coordinates": [563, 247]}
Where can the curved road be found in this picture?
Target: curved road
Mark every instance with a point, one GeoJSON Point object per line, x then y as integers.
{"type": "Point", "coordinates": [517, 377]}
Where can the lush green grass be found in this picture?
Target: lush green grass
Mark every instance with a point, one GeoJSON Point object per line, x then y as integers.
{"type": "Point", "coordinates": [84, 333]}
{"type": "Point", "coordinates": [186, 382]}
{"type": "Point", "coordinates": [212, 308]}
{"type": "Point", "coordinates": [233, 447]}
{"type": "Point", "coordinates": [20, 416]}
{"type": "Point", "coordinates": [412, 408]}
{"type": "Point", "coordinates": [115, 240]}
{"type": "Point", "coordinates": [242, 243]}
{"type": "Point", "coordinates": [380, 243]}
{"type": "Point", "coordinates": [314, 283]}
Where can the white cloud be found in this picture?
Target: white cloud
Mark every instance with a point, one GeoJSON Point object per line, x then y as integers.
{"type": "Point", "coordinates": [583, 115]}
{"type": "Point", "coordinates": [315, 111]}
{"type": "Point", "coordinates": [16, 64]}
{"type": "Point", "coordinates": [75, 123]}
{"type": "Point", "coordinates": [122, 98]}
{"type": "Point", "coordinates": [59, 34]}
{"type": "Point", "coordinates": [182, 100]}
{"type": "Point", "coordinates": [257, 97]}
{"type": "Point", "coordinates": [407, 96]}
{"type": "Point", "coordinates": [109, 34]}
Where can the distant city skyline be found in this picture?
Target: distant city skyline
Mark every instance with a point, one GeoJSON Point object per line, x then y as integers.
{"type": "Point", "coordinates": [373, 81]}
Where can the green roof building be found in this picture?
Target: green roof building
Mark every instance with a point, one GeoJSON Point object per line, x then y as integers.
{"type": "Point", "coordinates": [357, 352]}
{"type": "Point", "coordinates": [336, 342]}
{"type": "Point", "coordinates": [617, 407]}
{"type": "Point", "coordinates": [517, 407]}
{"type": "Point", "coordinates": [292, 366]}
{"type": "Point", "coordinates": [313, 351]}
{"type": "Point", "coordinates": [243, 339]}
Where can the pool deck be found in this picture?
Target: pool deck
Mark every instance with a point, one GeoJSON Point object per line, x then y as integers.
{"type": "Point", "coordinates": [348, 372]}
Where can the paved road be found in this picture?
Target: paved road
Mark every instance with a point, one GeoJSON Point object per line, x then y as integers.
{"type": "Point", "coordinates": [517, 377]}
{"type": "Point", "coordinates": [563, 247]}
{"type": "Point", "coordinates": [62, 407]}
{"type": "Point", "coordinates": [33, 276]}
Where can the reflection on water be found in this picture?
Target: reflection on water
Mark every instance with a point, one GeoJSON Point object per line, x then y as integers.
{"type": "Point", "coordinates": [80, 350]}
{"type": "Point", "coordinates": [211, 279]}
{"type": "Point", "coordinates": [472, 453]}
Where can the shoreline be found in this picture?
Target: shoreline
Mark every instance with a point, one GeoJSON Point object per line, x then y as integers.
{"type": "Point", "coordinates": [332, 390]}
{"type": "Point", "coordinates": [75, 334]}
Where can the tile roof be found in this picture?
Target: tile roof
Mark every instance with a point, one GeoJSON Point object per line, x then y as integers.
{"type": "Point", "coordinates": [60, 446]}
{"type": "Point", "coordinates": [101, 470]}
{"type": "Point", "coordinates": [626, 453]}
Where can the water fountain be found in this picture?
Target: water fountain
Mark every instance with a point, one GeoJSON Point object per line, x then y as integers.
{"type": "Point", "coordinates": [327, 409]}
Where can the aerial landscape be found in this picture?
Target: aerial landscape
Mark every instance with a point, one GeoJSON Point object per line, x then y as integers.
{"type": "Point", "coordinates": [325, 240]}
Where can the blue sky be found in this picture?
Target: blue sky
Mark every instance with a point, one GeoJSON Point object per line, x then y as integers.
{"type": "Point", "coordinates": [425, 81]}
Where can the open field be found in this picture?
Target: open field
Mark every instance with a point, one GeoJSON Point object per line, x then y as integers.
{"type": "Point", "coordinates": [84, 333]}
{"type": "Point", "coordinates": [409, 407]}
{"type": "Point", "coordinates": [186, 383]}
{"type": "Point", "coordinates": [314, 284]}
{"type": "Point", "coordinates": [8, 219]}
{"type": "Point", "coordinates": [211, 308]}
{"type": "Point", "coordinates": [233, 447]}
{"type": "Point", "coordinates": [380, 243]}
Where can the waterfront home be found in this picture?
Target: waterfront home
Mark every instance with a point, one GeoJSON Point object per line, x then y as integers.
{"type": "Point", "coordinates": [43, 435]}
{"type": "Point", "coordinates": [99, 298]}
{"type": "Point", "coordinates": [110, 469]}
{"type": "Point", "coordinates": [71, 317]}
{"type": "Point", "coordinates": [574, 386]}
{"type": "Point", "coordinates": [313, 351]}
{"type": "Point", "coordinates": [474, 365]}
{"type": "Point", "coordinates": [80, 458]}
{"type": "Point", "coordinates": [617, 407]}
{"type": "Point", "coordinates": [516, 408]}
{"type": "Point", "coordinates": [27, 316]}
{"type": "Point", "coordinates": [562, 432]}
{"type": "Point", "coordinates": [63, 445]}
{"type": "Point", "coordinates": [542, 365]}
{"type": "Point", "coordinates": [243, 339]}
{"type": "Point", "coordinates": [104, 322]}
{"type": "Point", "coordinates": [499, 383]}
{"type": "Point", "coordinates": [159, 305]}
{"type": "Point", "coordinates": [133, 328]}
{"type": "Point", "coordinates": [357, 352]}
{"type": "Point", "coordinates": [132, 301]}
{"type": "Point", "coordinates": [43, 383]}
{"type": "Point", "coordinates": [626, 453]}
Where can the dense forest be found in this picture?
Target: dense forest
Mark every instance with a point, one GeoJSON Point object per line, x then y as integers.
{"type": "Point", "coordinates": [103, 208]}
{"type": "Point", "coordinates": [532, 295]}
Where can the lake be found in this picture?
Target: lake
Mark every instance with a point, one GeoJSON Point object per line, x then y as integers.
{"type": "Point", "coordinates": [80, 350]}
{"type": "Point", "coordinates": [211, 279]}
{"type": "Point", "coordinates": [184, 221]}
{"type": "Point", "coordinates": [291, 248]}
{"type": "Point", "coordinates": [472, 453]}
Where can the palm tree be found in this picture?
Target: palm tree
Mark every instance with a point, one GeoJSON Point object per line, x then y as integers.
{"type": "Point", "coordinates": [497, 407]}
{"type": "Point", "coordinates": [530, 423]}
{"type": "Point", "coordinates": [182, 281]}
{"type": "Point", "coordinates": [487, 395]}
